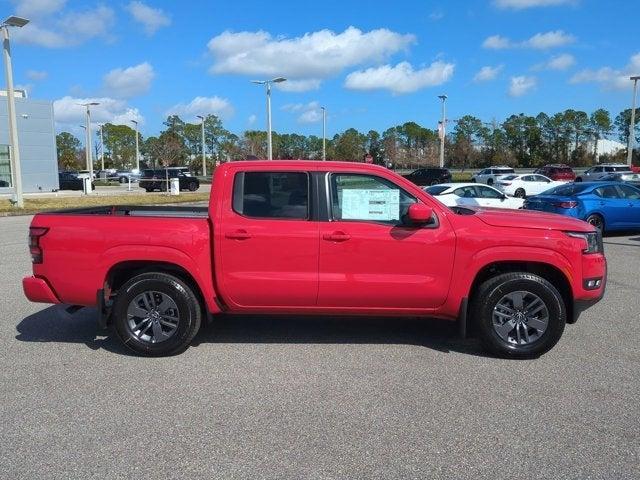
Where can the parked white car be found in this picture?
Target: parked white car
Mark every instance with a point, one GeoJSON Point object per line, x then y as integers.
{"type": "Point", "coordinates": [490, 175]}
{"type": "Point", "coordinates": [523, 186]}
{"type": "Point", "coordinates": [472, 195]}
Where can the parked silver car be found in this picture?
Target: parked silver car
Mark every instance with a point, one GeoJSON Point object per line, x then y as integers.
{"type": "Point", "coordinates": [599, 171]}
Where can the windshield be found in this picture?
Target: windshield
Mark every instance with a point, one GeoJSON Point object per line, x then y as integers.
{"type": "Point", "coordinates": [503, 171]}
{"type": "Point", "coordinates": [436, 189]}
{"type": "Point", "coordinates": [621, 169]}
{"type": "Point", "coordinates": [509, 177]}
{"type": "Point", "coordinates": [567, 190]}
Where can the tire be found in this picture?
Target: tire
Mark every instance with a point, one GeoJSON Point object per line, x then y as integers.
{"type": "Point", "coordinates": [597, 221]}
{"type": "Point", "coordinates": [434, 182]}
{"type": "Point", "coordinates": [490, 182]}
{"type": "Point", "coordinates": [578, 179]}
{"type": "Point", "coordinates": [473, 180]}
{"type": "Point", "coordinates": [123, 180]}
{"type": "Point", "coordinates": [491, 300]}
{"type": "Point", "coordinates": [168, 332]}
{"type": "Point", "coordinates": [149, 190]}
{"type": "Point", "coordinates": [193, 186]}
{"type": "Point", "coordinates": [520, 193]}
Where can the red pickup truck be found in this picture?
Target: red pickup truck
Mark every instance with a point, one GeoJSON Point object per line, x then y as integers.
{"type": "Point", "coordinates": [305, 237]}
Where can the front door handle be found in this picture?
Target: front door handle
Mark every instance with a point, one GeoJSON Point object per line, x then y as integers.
{"type": "Point", "coordinates": [238, 235]}
{"type": "Point", "coordinates": [336, 236]}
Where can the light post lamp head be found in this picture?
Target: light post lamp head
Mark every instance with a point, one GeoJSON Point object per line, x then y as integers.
{"type": "Point", "coordinates": [635, 78]}
{"type": "Point", "coordinates": [14, 21]}
{"type": "Point", "coordinates": [442, 97]}
{"type": "Point", "coordinates": [278, 80]}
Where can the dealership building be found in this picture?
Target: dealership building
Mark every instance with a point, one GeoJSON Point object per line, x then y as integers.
{"type": "Point", "coordinates": [37, 140]}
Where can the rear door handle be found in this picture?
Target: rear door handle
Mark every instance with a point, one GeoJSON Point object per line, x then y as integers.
{"type": "Point", "coordinates": [336, 236]}
{"type": "Point", "coordinates": [238, 235]}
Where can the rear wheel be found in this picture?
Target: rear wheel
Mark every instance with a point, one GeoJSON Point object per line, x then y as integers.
{"type": "Point", "coordinates": [149, 190]}
{"type": "Point", "coordinates": [156, 314]}
{"type": "Point", "coordinates": [490, 181]}
{"type": "Point", "coordinates": [596, 220]}
{"type": "Point", "coordinates": [520, 193]}
{"type": "Point", "coordinates": [519, 315]}
{"type": "Point", "coordinates": [579, 179]}
{"type": "Point", "coordinates": [193, 186]}
{"type": "Point", "coordinates": [123, 179]}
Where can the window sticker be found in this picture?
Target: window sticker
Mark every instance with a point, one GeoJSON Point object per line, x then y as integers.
{"type": "Point", "coordinates": [362, 204]}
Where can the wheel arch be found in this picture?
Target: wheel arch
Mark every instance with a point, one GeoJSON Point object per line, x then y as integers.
{"type": "Point", "coordinates": [549, 272]}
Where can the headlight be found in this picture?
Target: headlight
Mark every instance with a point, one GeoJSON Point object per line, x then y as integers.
{"type": "Point", "coordinates": [593, 241]}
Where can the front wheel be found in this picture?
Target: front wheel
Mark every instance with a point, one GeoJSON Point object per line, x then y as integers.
{"type": "Point", "coordinates": [193, 186]}
{"type": "Point", "coordinates": [156, 314]}
{"type": "Point", "coordinates": [490, 182]}
{"type": "Point", "coordinates": [520, 193]}
{"type": "Point", "coordinates": [519, 315]}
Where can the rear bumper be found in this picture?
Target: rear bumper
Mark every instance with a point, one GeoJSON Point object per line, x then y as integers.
{"type": "Point", "coordinates": [38, 290]}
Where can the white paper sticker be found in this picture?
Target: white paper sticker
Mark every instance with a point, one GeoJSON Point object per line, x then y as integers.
{"type": "Point", "coordinates": [362, 204]}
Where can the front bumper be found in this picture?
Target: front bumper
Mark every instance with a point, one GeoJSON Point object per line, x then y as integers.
{"type": "Point", "coordinates": [593, 266]}
{"type": "Point", "coordinates": [38, 290]}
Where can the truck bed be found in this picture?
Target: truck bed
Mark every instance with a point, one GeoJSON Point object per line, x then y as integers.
{"type": "Point", "coordinates": [138, 211]}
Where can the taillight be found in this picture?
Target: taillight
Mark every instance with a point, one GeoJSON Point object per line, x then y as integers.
{"type": "Point", "coordinates": [566, 204]}
{"type": "Point", "coordinates": [34, 243]}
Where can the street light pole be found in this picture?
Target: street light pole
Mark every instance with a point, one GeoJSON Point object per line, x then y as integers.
{"type": "Point", "coordinates": [204, 157]}
{"type": "Point", "coordinates": [135, 122]}
{"type": "Point", "coordinates": [14, 155]}
{"type": "Point", "coordinates": [268, 83]}
{"type": "Point", "coordinates": [88, 138]}
{"type": "Point", "coordinates": [632, 125]}
{"type": "Point", "coordinates": [324, 133]}
{"type": "Point", "coordinates": [443, 131]}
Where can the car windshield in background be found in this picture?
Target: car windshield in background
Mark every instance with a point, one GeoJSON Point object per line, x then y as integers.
{"type": "Point", "coordinates": [509, 177]}
{"type": "Point", "coordinates": [567, 190]}
{"type": "Point", "coordinates": [436, 189]}
{"type": "Point", "coordinates": [504, 171]}
{"type": "Point", "coordinates": [621, 169]}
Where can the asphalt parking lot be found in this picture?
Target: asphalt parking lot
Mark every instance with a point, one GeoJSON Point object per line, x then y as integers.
{"type": "Point", "coordinates": [317, 398]}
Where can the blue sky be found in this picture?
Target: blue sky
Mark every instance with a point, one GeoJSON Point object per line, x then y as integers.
{"type": "Point", "coordinates": [372, 64]}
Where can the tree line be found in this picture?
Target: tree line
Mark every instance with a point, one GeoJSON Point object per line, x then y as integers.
{"type": "Point", "coordinates": [521, 141]}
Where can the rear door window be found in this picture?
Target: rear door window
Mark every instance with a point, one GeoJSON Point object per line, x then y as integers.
{"type": "Point", "coordinates": [629, 192]}
{"type": "Point", "coordinates": [608, 191]}
{"type": "Point", "coordinates": [272, 195]}
{"type": "Point", "coordinates": [466, 192]}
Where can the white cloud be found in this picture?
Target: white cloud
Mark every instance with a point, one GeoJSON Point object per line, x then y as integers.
{"type": "Point", "coordinates": [309, 58]}
{"type": "Point", "coordinates": [202, 106]}
{"type": "Point", "coordinates": [53, 28]}
{"type": "Point", "coordinates": [436, 15]}
{"type": "Point", "coordinates": [251, 120]}
{"type": "Point", "coordinates": [539, 41]}
{"type": "Point", "coordinates": [558, 62]}
{"type": "Point", "coordinates": [307, 112]}
{"type": "Point", "coordinates": [522, 4]}
{"type": "Point", "coordinates": [37, 8]}
{"type": "Point", "coordinates": [401, 78]}
{"type": "Point", "coordinates": [151, 18]}
{"type": "Point", "coordinates": [546, 40]}
{"type": "Point", "coordinates": [129, 82]}
{"type": "Point", "coordinates": [497, 42]}
{"type": "Point", "coordinates": [68, 111]}
{"type": "Point", "coordinates": [37, 75]}
{"type": "Point", "coordinates": [299, 85]}
{"type": "Point", "coordinates": [521, 85]}
{"type": "Point", "coordinates": [487, 73]}
{"type": "Point", "coordinates": [610, 78]}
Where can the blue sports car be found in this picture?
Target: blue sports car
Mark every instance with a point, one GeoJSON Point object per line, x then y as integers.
{"type": "Point", "coordinates": [606, 205]}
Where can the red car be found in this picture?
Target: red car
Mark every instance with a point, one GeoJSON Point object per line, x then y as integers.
{"type": "Point", "coordinates": [557, 172]}
{"type": "Point", "coordinates": [303, 237]}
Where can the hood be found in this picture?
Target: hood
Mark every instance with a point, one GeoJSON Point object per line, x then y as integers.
{"type": "Point", "coordinates": [531, 219]}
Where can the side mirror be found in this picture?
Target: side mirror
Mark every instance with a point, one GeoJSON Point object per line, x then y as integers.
{"type": "Point", "coordinates": [419, 213]}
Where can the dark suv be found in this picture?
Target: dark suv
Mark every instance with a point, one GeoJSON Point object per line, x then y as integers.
{"type": "Point", "coordinates": [557, 172]}
{"type": "Point", "coordinates": [429, 176]}
{"type": "Point", "coordinates": [156, 179]}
